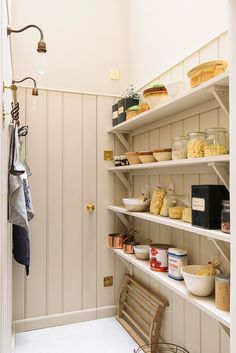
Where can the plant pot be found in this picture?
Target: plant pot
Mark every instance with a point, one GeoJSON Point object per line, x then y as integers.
{"type": "Point", "coordinates": [123, 105]}
{"type": "Point", "coordinates": [115, 114]}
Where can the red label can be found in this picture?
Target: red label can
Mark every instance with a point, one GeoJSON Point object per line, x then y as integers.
{"type": "Point", "coordinates": [159, 257]}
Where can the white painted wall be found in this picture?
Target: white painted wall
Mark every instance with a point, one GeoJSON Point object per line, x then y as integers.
{"type": "Point", "coordinates": [85, 39]}
{"type": "Point", "coordinates": [162, 33]}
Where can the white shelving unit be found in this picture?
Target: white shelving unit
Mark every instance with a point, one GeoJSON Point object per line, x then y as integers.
{"type": "Point", "coordinates": [206, 304]}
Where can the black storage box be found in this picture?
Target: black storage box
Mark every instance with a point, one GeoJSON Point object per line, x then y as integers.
{"type": "Point", "coordinates": [207, 205]}
{"type": "Point", "coordinates": [115, 114]}
{"type": "Point", "coordinates": [123, 105]}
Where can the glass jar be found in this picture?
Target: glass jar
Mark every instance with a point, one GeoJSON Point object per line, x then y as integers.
{"type": "Point", "coordinates": [179, 147]}
{"type": "Point", "coordinates": [196, 144]}
{"type": "Point", "coordinates": [177, 204]}
{"type": "Point", "coordinates": [225, 217]}
{"type": "Point", "coordinates": [222, 292]}
{"type": "Point", "coordinates": [216, 142]}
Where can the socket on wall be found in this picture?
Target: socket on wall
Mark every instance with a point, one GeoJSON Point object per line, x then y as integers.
{"type": "Point", "coordinates": [114, 74]}
{"type": "Point", "coordinates": [108, 281]}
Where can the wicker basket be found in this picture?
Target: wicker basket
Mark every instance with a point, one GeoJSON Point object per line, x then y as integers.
{"type": "Point", "coordinates": [161, 348]}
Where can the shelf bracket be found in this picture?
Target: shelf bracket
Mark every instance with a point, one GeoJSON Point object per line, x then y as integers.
{"type": "Point", "coordinates": [129, 266]}
{"type": "Point", "coordinates": [123, 220]}
{"type": "Point", "coordinates": [123, 140]}
{"type": "Point", "coordinates": [221, 172]}
{"type": "Point", "coordinates": [223, 248]}
{"type": "Point", "coordinates": [221, 94]}
{"type": "Point", "coordinates": [225, 328]}
{"type": "Point", "coordinates": [124, 181]}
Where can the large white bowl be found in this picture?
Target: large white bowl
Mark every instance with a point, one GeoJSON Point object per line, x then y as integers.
{"type": "Point", "coordinates": [136, 204]}
{"type": "Point", "coordinates": [201, 286]}
{"type": "Point", "coordinates": [177, 87]}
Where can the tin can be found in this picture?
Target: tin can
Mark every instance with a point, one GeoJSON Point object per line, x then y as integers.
{"type": "Point", "coordinates": [177, 258]}
{"type": "Point", "coordinates": [159, 257]}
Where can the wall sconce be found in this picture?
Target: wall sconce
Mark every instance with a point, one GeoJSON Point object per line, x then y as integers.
{"type": "Point", "coordinates": [41, 49]}
{"type": "Point", "coordinates": [35, 91]}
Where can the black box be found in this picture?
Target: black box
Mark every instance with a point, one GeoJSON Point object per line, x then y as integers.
{"type": "Point", "coordinates": [207, 205]}
{"type": "Point", "coordinates": [115, 114]}
{"type": "Point", "coordinates": [123, 105]}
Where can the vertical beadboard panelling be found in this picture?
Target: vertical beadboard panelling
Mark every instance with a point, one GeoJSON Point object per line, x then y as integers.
{"type": "Point", "coordinates": [192, 328]}
{"type": "Point", "coordinates": [72, 191]}
{"type": "Point", "coordinates": [223, 46]}
{"type": "Point", "coordinates": [54, 202]}
{"type": "Point", "coordinates": [209, 52]}
{"type": "Point", "coordinates": [209, 335]}
{"type": "Point", "coordinates": [105, 196]}
{"type": "Point", "coordinates": [89, 219]}
{"type": "Point", "coordinates": [36, 157]}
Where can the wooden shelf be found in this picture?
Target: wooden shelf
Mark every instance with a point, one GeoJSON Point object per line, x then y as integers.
{"type": "Point", "coordinates": [193, 97]}
{"type": "Point", "coordinates": [206, 304]}
{"type": "Point", "coordinates": [175, 163]}
{"type": "Point", "coordinates": [178, 224]}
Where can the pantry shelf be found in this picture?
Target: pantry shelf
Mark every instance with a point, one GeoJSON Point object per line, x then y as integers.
{"type": "Point", "coordinates": [193, 97]}
{"type": "Point", "coordinates": [178, 224]}
{"type": "Point", "coordinates": [205, 304]}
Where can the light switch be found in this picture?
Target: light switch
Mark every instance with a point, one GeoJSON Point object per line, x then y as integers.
{"type": "Point", "coordinates": [114, 74]}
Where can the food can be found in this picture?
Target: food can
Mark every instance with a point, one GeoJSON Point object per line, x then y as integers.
{"type": "Point", "coordinates": [159, 257]}
{"type": "Point", "coordinates": [177, 258]}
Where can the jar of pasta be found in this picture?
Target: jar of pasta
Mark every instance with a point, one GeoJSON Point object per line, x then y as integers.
{"type": "Point", "coordinates": [216, 142]}
{"type": "Point", "coordinates": [179, 147]}
{"type": "Point", "coordinates": [196, 144]}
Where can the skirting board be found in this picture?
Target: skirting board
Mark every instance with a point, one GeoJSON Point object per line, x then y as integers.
{"type": "Point", "coordinates": [64, 318]}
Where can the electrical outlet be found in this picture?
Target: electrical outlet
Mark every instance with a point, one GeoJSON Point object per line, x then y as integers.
{"type": "Point", "coordinates": [108, 155]}
{"type": "Point", "coordinates": [108, 281]}
{"type": "Point", "coordinates": [114, 74]}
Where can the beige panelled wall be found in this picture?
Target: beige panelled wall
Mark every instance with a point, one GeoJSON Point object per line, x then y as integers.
{"type": "Point", "coordinates": [69, 258]}
{"type": "Point", "coordinates": [184, 324]}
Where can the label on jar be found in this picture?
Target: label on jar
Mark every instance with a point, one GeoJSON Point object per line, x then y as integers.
{"type": "Point", "coordinates": [159, 259]}
{"type": "Point", "coordinates": [198, 204]}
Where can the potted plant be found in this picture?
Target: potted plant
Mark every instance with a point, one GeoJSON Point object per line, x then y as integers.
{"type": "Point", "coordinates": [129, 98]}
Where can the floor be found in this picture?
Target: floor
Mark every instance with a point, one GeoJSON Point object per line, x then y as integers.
{"type": "Point", "coordinates": [99, 336]}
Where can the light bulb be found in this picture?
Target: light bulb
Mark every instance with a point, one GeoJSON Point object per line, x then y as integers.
{"type": "Point", "coordinates": [42, 63]}
{"type": "Point", "coordinates": [34, 103]}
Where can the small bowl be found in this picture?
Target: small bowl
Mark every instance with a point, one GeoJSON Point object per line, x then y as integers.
{"type": "Point", "coordinates": [177, 87]}
{"type": "Point", "coordinates": [136, 204]}
{"type": "Point", "coordinates": [133, 157]}
{"type": "Point", "coordinates": [142, 252]}
{"type": "Point", "coordinates": [201, 286]}
{"type": "Point", "coordinates": [146, 157]}
{"type": "Point", "coordinates": [163, 154]}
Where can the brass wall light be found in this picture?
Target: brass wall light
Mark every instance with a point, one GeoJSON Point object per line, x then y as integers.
{"type": "Point", "coordinates": [41, 49]}
{"type": "Point", "coordinates": [35, 91]}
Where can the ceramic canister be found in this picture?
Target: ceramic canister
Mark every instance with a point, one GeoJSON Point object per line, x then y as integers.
{"type": "Point", "coordinates": [159, 257]}
{"type": "Point", "coordinates": [177, 258]}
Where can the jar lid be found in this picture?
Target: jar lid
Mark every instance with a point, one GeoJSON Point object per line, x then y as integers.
{"type": "Point", "coordinates": [222, 277]}
{"type": "Point", "coordinates": [196, 133]}
{"type": "Point", "coordinates": [178, 252]}
{"type": "Point", "coordinates": [176, 138]}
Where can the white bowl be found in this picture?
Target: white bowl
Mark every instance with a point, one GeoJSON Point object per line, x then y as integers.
{"type": "Point", "coordinates": [201, 286]}
{"type": "Point", "coordinates": [142, 251]}
{"type": "Point", "coordinates": [136, 204]}
{"type": "Point", "coordinates": [177, 87]}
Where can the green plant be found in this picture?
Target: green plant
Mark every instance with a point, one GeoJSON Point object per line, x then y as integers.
{"type": "Point", "coordinates": [131, 93]}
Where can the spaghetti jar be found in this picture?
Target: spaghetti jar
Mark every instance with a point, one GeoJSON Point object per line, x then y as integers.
{"type": "Point", "coordinates": [179, 147]}
{"type": "Point", "coordinates": [196, 144]}
{"type": "Point", "coordinates": [216, 142]}
{"type": "Point", "coordinates": [222, 292]}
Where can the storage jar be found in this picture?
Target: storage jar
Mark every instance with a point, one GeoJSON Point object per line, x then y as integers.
{"type": "Point", "coordinates": [216, 142]}
{"type": "Point", "coordinates": [196, 144]}
{"type": "Point", "coordinates": [225, 217]}
{"type": "Point", "coordinates": [177, 258]}
{"type": "Point", "coordinates": [179, 147]}
{"type": "Point", "coordinates": [159, 257]}
{"type": "Point", "coordinates": [222, 292]}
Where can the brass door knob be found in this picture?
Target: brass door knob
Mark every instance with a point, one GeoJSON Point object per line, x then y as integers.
{"type": "Point", "coordinates": [90, 207]}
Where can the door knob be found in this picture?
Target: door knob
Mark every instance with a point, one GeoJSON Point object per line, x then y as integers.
{"type": "Point", "coordinates": [90, 207]}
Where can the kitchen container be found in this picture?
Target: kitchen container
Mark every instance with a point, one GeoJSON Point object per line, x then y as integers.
{"type": "Point", "coordinates": [129, 245]}
{"type": "Point", "coordinates": [225, 216]}
{"type": "Point", "coordinates": [196, 144]}
{"type": "Point", "coordinates": [179, 147]}
{"type": "Point", "coordinates": [133, 157]}
{"type": "Point", "coordinates": [120, 161]}
{"type": "Point", "coordinates": [222, 292]}
{"type": "Point", "coordinates": [176, 88]}
{"type": "Point", "coordinates": [158, 196]}
{"type": "Point", "coordinates": [162, 154]}
{"type": "Point", "coordinates": [207, 205]}
{"type": "Point", "coordinates": [187, 215]}
{"type": "Point", "coordinates": [116, 240]}
{"type": "Point", "coordinates": [123, 105]}
{"type": "Point", "coordinates": [146, 157]}
{"type": "Point", "coordinates": [142, 252]}
{"type": "Point", "coordinates": [136, 110]}
{"type": "Point", "coordinates": [206, 71]}
{"type": "Point", "coordinates": [177, 258]}
{"type": "Point", "coordinates": [201, 286]}
{"type": "Point", "coordinates": [178, 204]}
{"type": "Point", "coordinates": [115, 114]}
{"type": "Point", "coordinates": [155, 95]}
{"type": "Point", "coordinates": [216, 142]}
{"type": "Point", "coordinates": [159, 257]}
{"type": "Point", "coordinates": [136, 204]}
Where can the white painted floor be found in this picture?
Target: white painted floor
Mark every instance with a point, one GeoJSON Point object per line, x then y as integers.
{"type": "Point", "coordinates": [98, 336]}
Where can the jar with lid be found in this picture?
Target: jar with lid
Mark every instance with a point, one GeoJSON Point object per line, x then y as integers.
{"type": "Point", "coordinates": [179, 147]}
{"type": "Point", "coordinates": [216, 142]}
{"type": "Point", "coordinates": [225, 217]}
{"type": "Point", "coordinates": [196, 144]}
{"type": "Point", "coordinates": [222, 292]}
